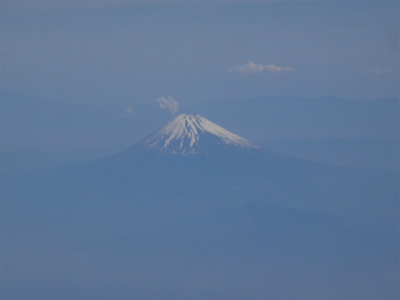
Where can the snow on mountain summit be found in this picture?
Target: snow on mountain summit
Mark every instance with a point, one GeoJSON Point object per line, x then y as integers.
{"type": "Point", "coordinates": [194, 134]}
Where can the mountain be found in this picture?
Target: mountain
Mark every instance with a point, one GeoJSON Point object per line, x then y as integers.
{"type": "Point", "coordinates": [196, 212]}
{"type": "Point", "coordinates": [192, 165]}
{"type": "Point", "coordinates": [194, 134]}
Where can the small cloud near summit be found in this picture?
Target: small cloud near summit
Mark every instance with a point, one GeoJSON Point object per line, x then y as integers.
{"type": "Point", "coordinates": [252, 68]}
{"type": "Point", "coordinates": [168, 103]}
{"type": "Point", "coordinates": [275, 69]}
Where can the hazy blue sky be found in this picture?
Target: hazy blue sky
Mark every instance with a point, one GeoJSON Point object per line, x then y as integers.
{"type": "Point", "coordinates": [122, 51]}
{"type": "Point", "coordinates": [117, 55]}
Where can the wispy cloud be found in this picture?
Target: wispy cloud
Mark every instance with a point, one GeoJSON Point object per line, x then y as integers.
{"type": "Point", "coordinates": [378, 71]}
{"type": "Point", "coordinates": [275, 69]}
{"type": "Point", "coordinates": [168, 103]}
{"type": "Point", "coordinates": [252, 68]}
{"type": "Point", "coordinates": [247, 68]}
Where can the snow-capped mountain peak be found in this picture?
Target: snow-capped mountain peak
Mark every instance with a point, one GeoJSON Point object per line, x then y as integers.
{"type": "Point", "coordinates": [194, 134]}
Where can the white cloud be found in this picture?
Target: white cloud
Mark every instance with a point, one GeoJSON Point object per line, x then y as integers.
{"type": "Point", "coordinates": [378, 71]}
{"type": "Point", "coordinates": [252, 68]}
{"type": "Point", "coordinates": [275, 69]}
{"type": "Point", "coordinates": [168, 103]}
{"type": "Point", "coordinates": [247, 68]}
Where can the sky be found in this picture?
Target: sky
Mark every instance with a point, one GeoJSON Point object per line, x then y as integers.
{"type": "Point", "coordinates": [115, 56]}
